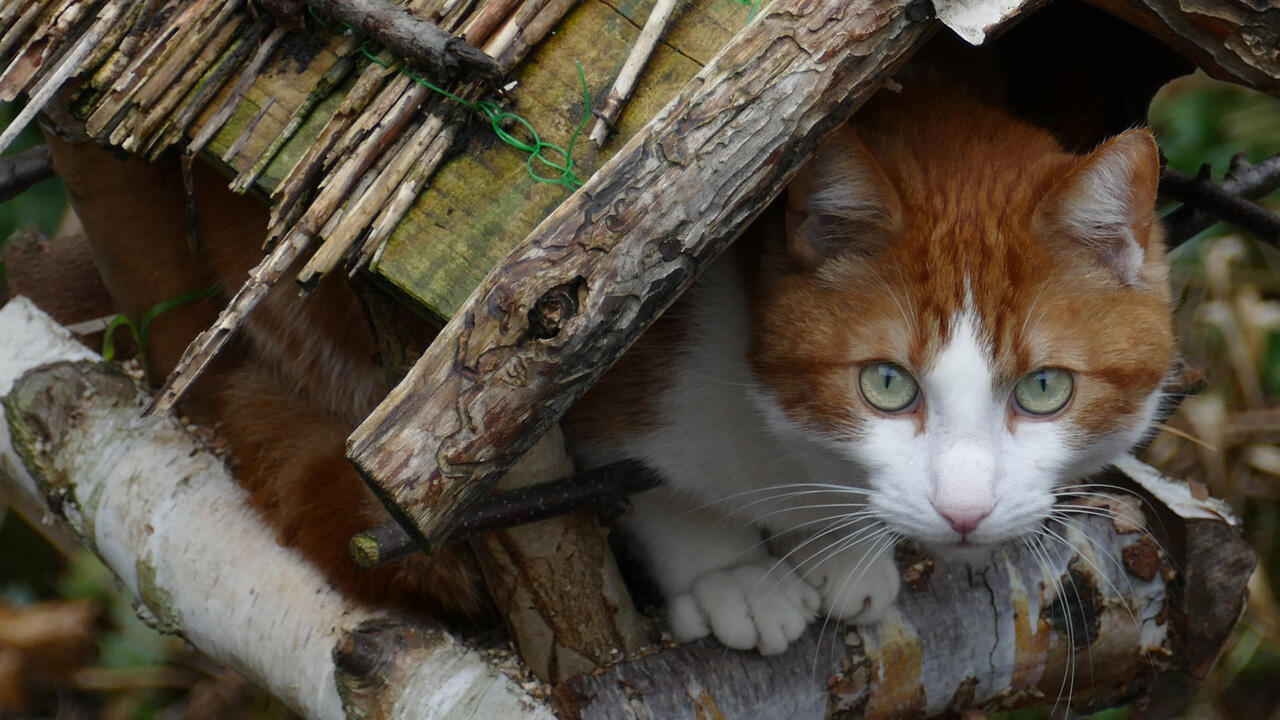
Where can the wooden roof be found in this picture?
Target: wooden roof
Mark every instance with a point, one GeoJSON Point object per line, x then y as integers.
{"type": "Point", "coordinates": [285, 107]}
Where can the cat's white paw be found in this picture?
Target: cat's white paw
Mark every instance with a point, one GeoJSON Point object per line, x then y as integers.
{"type": "Point", "coordinates": [854, 589]}
{"type": "Point", "coordinates": [762, 605]}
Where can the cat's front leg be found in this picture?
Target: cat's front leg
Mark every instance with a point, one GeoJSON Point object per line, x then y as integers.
{"type": "Point", "coordinates": [718, 577]}
{"type": "Point", "coordinates": [858, 581]}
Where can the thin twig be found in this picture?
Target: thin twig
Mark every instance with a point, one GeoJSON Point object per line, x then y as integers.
{"type": "Point", "coordinates": [608, 113]}
{"type": "Point", "coordinates": [604, 489]}
{"type": "Point", "coordinates": [232, 101]}
{"type": "Point", "coordinates": [1205, 203]}
{"type": "Point", "coordinates": [20, 171]}
{"type": "Point", "coordinates": [207, 344]}
{"type": "Point", "coordinates": [68, 66]}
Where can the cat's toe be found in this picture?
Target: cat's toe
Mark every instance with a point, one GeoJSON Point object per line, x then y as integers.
{"type": "Point", "coordinates": [854, 589]}
{"type": "Point", "coordinates": [761, 605]}
{"type": "Point", "coordinates": [686, 619]}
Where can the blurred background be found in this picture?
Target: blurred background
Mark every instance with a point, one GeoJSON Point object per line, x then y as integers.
{"type": "Point", "coordinates": [97, 660]}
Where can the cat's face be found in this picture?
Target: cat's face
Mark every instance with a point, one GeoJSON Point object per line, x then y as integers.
{"type": "Point", "coordinates": [975, 331]}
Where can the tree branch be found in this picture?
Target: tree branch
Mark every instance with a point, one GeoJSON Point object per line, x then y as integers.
{"type": "Point", "coordinates": [18, 172]}
{"type": "Point", "coordinates": [1205, 202]}
{"type": "Point", "coordinates": [1143, 593]}
{"type": "Point", "coordinates": [420, 41]}
{"type": "Point", "coordinates": [604, 490]}
{"type": "Point", "coordinates": [567, 301]}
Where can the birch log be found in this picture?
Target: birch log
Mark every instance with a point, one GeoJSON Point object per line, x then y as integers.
{"type": "Point", "coordinates": [166, 517]}
{"type": "Point", "coordinates": [563, 306]}
{"type": "Point", "coordinates": [1090, 626]}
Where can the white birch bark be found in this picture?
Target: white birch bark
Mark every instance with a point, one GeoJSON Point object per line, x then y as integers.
{"type": "Point", "coordinates": [168, 519]}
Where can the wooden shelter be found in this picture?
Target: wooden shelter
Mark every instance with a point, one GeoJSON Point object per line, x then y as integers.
{"type": "Point", "coordinates": [369, 169]}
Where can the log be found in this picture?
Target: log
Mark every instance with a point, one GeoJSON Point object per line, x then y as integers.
{"type": "Point", "coordinates": [169, 520]}
{"type": "Point", "coordinates": [555, 581]}
{"type": "Point", "coordinates": [1133, 602]}
{"type": "Point", "coordinates": [1232, 40]}
{"type": "Point", "coordinates": [564, 305]}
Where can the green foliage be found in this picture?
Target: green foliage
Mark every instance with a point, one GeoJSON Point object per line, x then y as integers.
{"type": "Point", "coordinates": [141, 330]}
{"type": "Point", "coordinates": [43, 204]}
{"type": "Point", "coordinates": [1199, 120]}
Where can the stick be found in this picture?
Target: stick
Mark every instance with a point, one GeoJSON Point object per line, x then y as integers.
{"type": "Point", "coordinates": [608, 113]}
{"type": "Point", "coordinates": [1243, 180]}
{"type": "Point", "coordinates": [603, 489]}
{"type": "Point", "coordinates": [335, 75]}
{"type": "Point", "coordinates": [410, 37]}
{"type": "Point", "coordinates": [20, 171]}
{"type": "Point", "coordinates": [243, 83]}
{"type": "Point", "coordinates": [1206, 197]}
{"type": "Point", "coordinates": [68, 66]}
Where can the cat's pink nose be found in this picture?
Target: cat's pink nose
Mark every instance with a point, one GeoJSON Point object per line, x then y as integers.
{"type": "Point", "coordinates": [962, 519]}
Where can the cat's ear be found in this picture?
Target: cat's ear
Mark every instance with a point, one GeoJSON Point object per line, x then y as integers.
{"type": "Point", "coordinates": [1106, 203]}
{"type": "Point", "coordinates": [840, 202]}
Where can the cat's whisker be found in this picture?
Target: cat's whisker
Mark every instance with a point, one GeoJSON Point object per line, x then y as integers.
{"type": "Point", "coordinates": [1064, 513]}
{"type": "Point", "coordinates": [1067, 684]}
{"type": "Point", "coordinates": [785, 490]}
{"type": "Point", "coordinates": [1106, 492]}
{"type": "Point", "coordinates": [879, 543]}
{"type": "Point", "coordinates": [798, 567]}
{"type": "Point", "coordinates": [1133, 617]}
{"type": "Point", "coordinates": [835, 524]}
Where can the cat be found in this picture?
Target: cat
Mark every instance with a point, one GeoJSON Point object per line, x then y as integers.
{"type": "Point", "coordinates": [945, 320]}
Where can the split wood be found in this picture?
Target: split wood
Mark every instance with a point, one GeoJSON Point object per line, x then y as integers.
{"type": "Point", "coordinates": [1206, 202]}
{"type": "Point", "coordinates": [604, 490]}
{"type": "Point", "coordinates": [397, 104]}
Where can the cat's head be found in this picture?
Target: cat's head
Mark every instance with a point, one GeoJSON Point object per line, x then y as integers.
{"type": "Point", "coordinates": [976, 321]}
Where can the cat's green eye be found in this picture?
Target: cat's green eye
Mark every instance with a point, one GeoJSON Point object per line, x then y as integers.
{"type": "Point", "coordinates": [1043, 392]}
{"type": "Point", "coordinates": [888, 387]}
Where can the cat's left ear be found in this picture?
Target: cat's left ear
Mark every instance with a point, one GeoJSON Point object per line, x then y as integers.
{"type": "Point", "coordinates": [1106, 203]}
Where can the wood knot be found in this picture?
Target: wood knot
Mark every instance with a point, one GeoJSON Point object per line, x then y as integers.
{"type": "Point", "coordinates": [921, 10]}
{"type": "Point", "coordinates": [358, 654]}
{"type": "Point", "coordinates": [555, 307]}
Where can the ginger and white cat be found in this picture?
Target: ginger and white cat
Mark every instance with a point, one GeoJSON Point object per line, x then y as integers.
{"type": "Point", "coordinates": [947, 320]}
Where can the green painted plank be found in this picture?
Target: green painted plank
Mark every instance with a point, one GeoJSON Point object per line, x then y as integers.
{"type": "Point", "coordinates": [482, 202]}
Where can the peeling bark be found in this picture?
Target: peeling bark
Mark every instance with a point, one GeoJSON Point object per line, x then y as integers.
{"type": "Point", "coordinates": [168, 519]}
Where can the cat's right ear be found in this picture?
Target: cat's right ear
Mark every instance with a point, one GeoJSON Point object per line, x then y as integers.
{"type": "Point", "coordinates": [1106, 204]}
{"type": "Point", "coordinates": [840, 203]}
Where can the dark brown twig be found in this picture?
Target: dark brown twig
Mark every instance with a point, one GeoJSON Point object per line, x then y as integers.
{"type": "Point", "coordinates": [1206, 202]}
{"type": "Point", "coordinates": [604, 489]}
{"type": "Point", "coordinates": [18, 172]}
{"type": "Point", "coordinates": [420, 41]}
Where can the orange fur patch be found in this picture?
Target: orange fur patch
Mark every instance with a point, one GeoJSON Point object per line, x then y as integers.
{"type": "Point", "coordinates": [969, 179]}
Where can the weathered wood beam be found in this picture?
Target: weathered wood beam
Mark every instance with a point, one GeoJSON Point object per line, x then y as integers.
{"type": "Point", "coordinates": [564, 304]}
{"type": "Point", "coordinates": [1233, 40]}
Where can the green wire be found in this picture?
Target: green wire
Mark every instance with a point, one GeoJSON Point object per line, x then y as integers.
{"type": "Point", "coordinates": [498, 118]}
